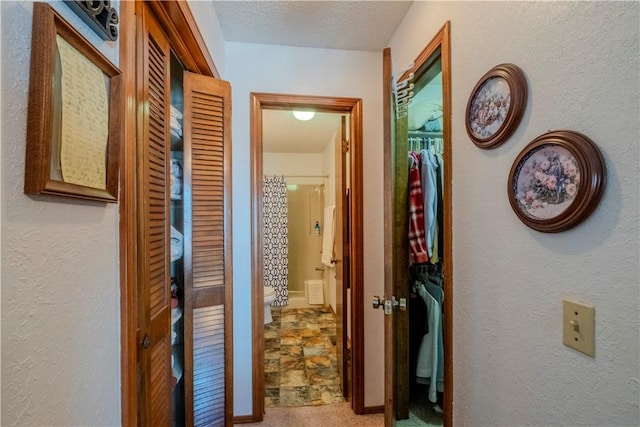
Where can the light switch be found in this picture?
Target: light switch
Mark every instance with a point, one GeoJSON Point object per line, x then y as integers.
{"type": "Point", "coordinates": [578, 327]}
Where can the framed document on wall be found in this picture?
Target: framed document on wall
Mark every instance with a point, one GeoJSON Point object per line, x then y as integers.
{"type": "Point", "coordinates": [74, 114]}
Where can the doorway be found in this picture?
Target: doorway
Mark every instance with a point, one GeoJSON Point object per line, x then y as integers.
{"type": "Point", "coordinates": [347, 255]}
{"type": "Point", "coordinates": [418, 273]}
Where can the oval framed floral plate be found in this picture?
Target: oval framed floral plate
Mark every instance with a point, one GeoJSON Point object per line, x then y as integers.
{"type": "Point", "coordinates": [496, 105]}
{"type": "Point", "coordinates": [557, 181]}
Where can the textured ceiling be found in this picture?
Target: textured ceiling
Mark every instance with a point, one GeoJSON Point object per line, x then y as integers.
{"type": "Point", "coordinates": [350, 25]}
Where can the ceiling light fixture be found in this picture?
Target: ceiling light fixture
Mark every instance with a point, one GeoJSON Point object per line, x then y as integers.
{"type": "Point", "coordinates": [303, 115]}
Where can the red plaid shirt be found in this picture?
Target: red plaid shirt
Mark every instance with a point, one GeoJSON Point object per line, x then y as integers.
{"type": "Point", "coordinates": [417, 245]}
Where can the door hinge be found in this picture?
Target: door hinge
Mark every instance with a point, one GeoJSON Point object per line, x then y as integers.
{"type": "Point", "coordinates": [345, 146]}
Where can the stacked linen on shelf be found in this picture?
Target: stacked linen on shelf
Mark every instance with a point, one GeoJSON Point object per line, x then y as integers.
{"type": "Point", "coordinates": [176, 122]}
{"type": "Point", "coordinates": [177, 245]}
{"type": "Point", "coordinates": [425, 116]}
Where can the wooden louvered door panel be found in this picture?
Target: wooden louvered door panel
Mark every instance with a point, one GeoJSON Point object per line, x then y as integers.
{"type": "Point", "coordinates": [154, 310]}
{"type": "Point", "coordinates": [208, 356]}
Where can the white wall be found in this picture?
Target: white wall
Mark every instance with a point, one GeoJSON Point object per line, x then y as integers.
{"type": "Point", "coordinates": [60, 296]}
{"type": "Point", "coordinates": [304, 71]}
{"type": "Point", "coordinates": [582, 67]}
{"type": "Point", "coordinates": [1, 205]}
{"type": "Point", "coordinates": [207, 21]}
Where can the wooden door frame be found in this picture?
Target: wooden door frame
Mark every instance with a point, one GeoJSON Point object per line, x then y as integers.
{"type": "Point", "coordinates": [441, 40]}
{"type": "Point", "coordinates": [178, 21]}
{"type": "Point", "coordinates": [353, 107]}
{"type": "Point", "coordinates": [389, 324]}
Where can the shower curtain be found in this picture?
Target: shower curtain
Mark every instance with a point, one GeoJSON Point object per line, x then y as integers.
{"type": "Point", "coordinates": [275, 250]}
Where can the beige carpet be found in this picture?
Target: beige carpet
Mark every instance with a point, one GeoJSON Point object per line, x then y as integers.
{"type": "Point", "coordinates": [311, 416]}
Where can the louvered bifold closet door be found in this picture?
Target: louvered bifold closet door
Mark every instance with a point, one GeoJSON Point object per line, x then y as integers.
{"type": "Point", "coordinates": [154, 346]}
{"type": "Point", "coordinates": [207, 179]}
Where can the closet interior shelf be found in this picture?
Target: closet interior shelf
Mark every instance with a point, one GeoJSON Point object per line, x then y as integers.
{"type": "Point", "coordinates": [425, 134]}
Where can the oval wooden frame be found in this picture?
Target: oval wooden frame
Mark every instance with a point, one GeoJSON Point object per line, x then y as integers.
{"type": "Point", "coordinates": [517, 82]}
{"type": "Point", "coordinates": [593, 180]}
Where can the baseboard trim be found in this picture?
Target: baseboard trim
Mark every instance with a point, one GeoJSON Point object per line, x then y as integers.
{"type": "Point", "coordinates": [373, 409]}
{"type": "Point", "coordinates": [244, 419]}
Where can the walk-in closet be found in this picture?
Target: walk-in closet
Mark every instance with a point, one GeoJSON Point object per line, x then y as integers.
{"type": "Point", "coordinates": [426, 240]}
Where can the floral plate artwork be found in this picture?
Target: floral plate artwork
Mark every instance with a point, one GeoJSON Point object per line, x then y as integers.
{"type": "Point", "coordinates": [489, 108]}
{"type": "Point", "coordinates": [496, 105]}
{"type": "Point", "coordinates": [557, 181]}
{"type": "Point", "coordinates": [547, 182]}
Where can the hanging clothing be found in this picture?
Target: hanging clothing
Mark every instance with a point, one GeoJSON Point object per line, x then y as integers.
{"type": "Point", "coordinates": [427, 369]}
{"type": "Point", "coordinates": [434, 287]}
{"type": "Point", "coordinates": [435, 256]}
{"type": "Point", "coordinates": [418, 327]}
{"type": "Point", "coordinates": [438, 241]}
{"type": "Point", "coordinates": [417, 247]}
{"type": "Point", "coordinates": [428, 170]}
{"type": "Point", "coordinates": [428, 364]}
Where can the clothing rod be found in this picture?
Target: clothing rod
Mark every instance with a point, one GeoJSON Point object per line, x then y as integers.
{"type": "Point", "coordinates": [300, 176]}
{"type": "Point", "coordinates": [418, 134]}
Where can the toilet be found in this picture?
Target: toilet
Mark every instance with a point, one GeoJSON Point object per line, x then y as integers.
{"type": "Point", "coordinates": [269, 297]}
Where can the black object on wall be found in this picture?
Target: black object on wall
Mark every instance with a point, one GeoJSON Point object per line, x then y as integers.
{"type": "Point", "coordinates": [99, 15]}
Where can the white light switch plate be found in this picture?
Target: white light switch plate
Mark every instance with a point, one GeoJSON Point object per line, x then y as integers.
{"type": "Point", "coordinates": [578, 327]}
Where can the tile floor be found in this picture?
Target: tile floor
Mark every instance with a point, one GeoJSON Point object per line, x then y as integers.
{"type": "Point", "coordinates": [300, 358]}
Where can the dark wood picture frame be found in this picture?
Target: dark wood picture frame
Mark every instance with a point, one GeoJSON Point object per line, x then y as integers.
{"type": "Point", "coordinates": [43, 170]}
{"type": "Point", "coordinates": [496, 105]}
{"type": "Point", "coordinates": [557, 181]}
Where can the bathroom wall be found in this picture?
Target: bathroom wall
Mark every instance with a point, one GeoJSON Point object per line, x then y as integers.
{"type": "Point", "coordinates": [305, 246]}
{"type": "Point", "coordinates": [294, 165]}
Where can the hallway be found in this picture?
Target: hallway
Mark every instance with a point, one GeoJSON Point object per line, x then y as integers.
{"type": "Point", "coordinates": [339, 414]}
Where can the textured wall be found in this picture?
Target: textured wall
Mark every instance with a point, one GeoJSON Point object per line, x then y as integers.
{"type": "Point", "coordinates": [583, 69]}
{"type": "Point", "coordinates": [60, 292]}
{"type": "Point", "coordinates": [304, 71]}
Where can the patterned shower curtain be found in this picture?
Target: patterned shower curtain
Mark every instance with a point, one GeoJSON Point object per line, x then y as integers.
{"type": "Point", "coordinates": [276, 240]}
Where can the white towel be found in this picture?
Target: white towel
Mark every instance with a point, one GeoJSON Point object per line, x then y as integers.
{"type": "Point", "coordinates": [328, 235]}
{"type": "Point", "coordinates": [315, 291]}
